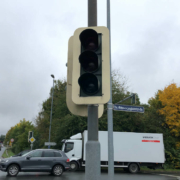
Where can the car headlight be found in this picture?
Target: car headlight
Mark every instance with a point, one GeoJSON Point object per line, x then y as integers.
{"type": "Point", "coordinates": [4, 161]}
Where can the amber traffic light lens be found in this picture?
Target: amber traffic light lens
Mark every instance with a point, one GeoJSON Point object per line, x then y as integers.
{"type": "Point", "coordinates": [89, 61]}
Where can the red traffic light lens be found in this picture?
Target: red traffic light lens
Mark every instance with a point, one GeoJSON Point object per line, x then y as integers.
{"type": "Point", "coordinates": [89, 39]}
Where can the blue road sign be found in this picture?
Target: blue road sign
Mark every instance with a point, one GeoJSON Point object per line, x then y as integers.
{"type": "Point", "coordinates": [119, 107]}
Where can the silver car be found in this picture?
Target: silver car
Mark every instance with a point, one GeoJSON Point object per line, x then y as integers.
{"type": "Point", "coordinates": [39, 160]}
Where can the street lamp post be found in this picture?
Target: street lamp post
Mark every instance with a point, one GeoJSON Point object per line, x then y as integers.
{"type": "Point", "coordinates": [51, 112]}
{"type": "Point", "coordinates": [110, 110]}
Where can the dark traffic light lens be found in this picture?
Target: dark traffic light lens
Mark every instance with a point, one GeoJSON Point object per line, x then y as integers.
{"type": "Point", "coordinates": [90, 44]}
{"type": "Point", "coordinates": [89, 61]}
{"type": "Point", "coordinates": [89, 39]}
{"type": "Point", "coordinates": [89, 83]}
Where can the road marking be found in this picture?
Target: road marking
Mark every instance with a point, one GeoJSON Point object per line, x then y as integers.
{"type": "Point", "coordinates": [178, 177]}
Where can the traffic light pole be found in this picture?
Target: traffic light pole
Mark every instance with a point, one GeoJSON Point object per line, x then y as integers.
{"type": "Point", "coordinates": [110, 109]}
{"type": "Point", "coordinates": [92, 171]}
{"type": "Point", "coordinates": [92, 13]}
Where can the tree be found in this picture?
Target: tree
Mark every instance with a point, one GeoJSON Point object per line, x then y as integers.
{"type": "Point", "coordinates": [155, 122]}
{"type": "Point", "coordinates": [20, 135]}
{"type": "Point", "coordinates": [2, 137]}
{"type": "Point", "coordinates": [170, 98]}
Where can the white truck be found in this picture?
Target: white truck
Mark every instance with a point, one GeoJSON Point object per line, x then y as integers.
{"type": "Point", "coordinates": [131, 150]}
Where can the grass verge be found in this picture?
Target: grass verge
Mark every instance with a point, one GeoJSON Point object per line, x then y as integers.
{"type": "Point", "coordinates": [144, 169]}
{"type": "Point", "coordinates": [9, 152]}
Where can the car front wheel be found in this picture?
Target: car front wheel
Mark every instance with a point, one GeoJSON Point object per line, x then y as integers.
{"type": "Point", "coordinates": [57, 170]}
{"type": "Point", "coordinates": [13, 170]}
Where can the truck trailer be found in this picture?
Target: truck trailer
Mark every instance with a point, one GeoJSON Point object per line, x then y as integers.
{"type": "Point", "coordinates": [131, 150]}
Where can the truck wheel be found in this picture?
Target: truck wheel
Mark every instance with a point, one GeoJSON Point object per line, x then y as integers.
{"type": "Point", "coordinates": [73, 166]}
{"type": "Point", "coordinates": [133, 168]}
{"type": "Point", "coordinates": [13, 170]}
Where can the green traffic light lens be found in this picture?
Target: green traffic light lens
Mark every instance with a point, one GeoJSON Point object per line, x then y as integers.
{"type": "Point", "coordinates": [89, 61]}
{"type": "Point", "coordinates": [89, 83]}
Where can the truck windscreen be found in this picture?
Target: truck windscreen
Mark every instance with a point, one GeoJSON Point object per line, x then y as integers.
{"type": "Point", "coordinates": [63, 147]}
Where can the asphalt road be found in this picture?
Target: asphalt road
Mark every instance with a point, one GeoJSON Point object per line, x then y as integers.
{"type": "Point", "coordinates": [80, 175]}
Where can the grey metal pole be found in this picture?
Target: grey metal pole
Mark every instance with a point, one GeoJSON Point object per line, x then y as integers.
{"type": "Point", "coordinates": [31, 146]}
{"type": "Point", "coordinates": [92, 13]}
{"type": "Point", "coordinates": [110, 109]}
{"type": "Point", "coordinates": [92, 170]}
{"type": "Point", "coordinates": [51, 114]}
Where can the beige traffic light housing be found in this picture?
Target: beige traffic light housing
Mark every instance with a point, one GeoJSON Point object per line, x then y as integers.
{"type": "Point", "coordinates": [80, 110]}
{"type": "Point", "coordinates": [105, 84]}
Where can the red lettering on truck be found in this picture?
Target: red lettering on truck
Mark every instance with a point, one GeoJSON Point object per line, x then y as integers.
{"type": "Point", "coordinates": [156, 141]}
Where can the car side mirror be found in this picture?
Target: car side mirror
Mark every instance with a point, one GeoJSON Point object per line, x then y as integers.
{"type": "Point", "coordinates": [28, 157]}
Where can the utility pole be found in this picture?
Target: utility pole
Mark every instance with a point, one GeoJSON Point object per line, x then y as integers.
{"type": "Point", "coordinates": [92, 170]}
{"type": "Point", "coordinates": [110, 108]}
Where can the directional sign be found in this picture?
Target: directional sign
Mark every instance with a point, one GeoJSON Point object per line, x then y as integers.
{"type": "Point", "coordinates": [32, 139]}
{"type": "Point", "coordinates": [50, 143]}
{"type": "Point", "coordinates": [120, 107]}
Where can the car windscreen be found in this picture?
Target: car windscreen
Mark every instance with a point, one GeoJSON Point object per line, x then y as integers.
{"type": "Point", "coordinates": [26, 153]}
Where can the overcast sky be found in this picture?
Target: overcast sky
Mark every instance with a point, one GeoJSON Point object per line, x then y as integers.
{"type": "Point", "coordinates": [34, 39]}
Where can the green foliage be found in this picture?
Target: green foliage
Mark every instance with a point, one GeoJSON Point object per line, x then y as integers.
{"type": "Point", "coordinates": [8, 153]}
{"type": "Point", "coordinates": [20, 135]}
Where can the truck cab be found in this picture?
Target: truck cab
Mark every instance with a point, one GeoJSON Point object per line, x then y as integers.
{"type": "Point", "coordinates": [73, 150]}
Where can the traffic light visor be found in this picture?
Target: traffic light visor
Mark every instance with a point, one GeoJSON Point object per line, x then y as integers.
{"type": "Point", "coordinates": [89, 61]}
{"type": "Point", "coordinates": [89, 83]}
{"type": "Point", "coordinates": [89, 39]}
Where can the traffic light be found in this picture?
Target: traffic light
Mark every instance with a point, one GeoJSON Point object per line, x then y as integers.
{"type": "Point", "coordinates": [91, 66]}
{"type": "Point", "coordinates": [80, 110]}
{"type": "Point", "coordinates": [30, 135]}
